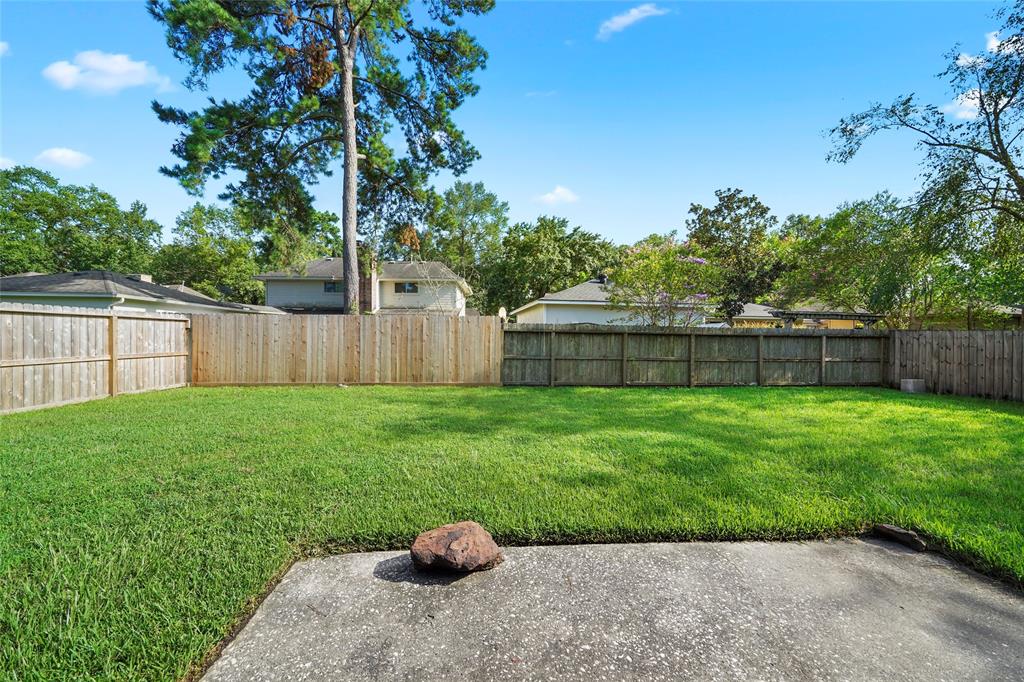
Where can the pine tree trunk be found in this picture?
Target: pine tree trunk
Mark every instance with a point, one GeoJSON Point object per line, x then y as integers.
{"type": "Point", "coordinates": [350, 179]}
{"type": "Point", "coordinates": [346, 47]}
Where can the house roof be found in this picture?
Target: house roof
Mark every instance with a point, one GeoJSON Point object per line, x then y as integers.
{"type": "Point", "coordinates": [814, 306]}
{"type": "Point", "coordinates": [331, 268]}
{"type": "Point", "coordinates": [1012, 310]}
{"type": "Point", "coordinates": [755, 311]}
{"type": "Point", "coordinates": [591, 292]}
{"type": "Point", "coordinates": [188, 290]}
{"type": "Point", "coordinates": [426, 269]}
{"type": "Point", "coordinates": [319, 268]}
{"type": "Point", "coordinates": [103, 283]}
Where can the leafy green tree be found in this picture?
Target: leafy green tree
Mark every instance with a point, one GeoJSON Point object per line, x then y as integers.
{"type": "Point", "coordinates": [986, 270]}
{"type": "Point", "coordinates": [49, 227]}
{"type": "Point", "coordinates": [663, 282]}
{"type": "Point", "coordinates": [464, 230]}
{"type": "Point", "coordinates": [973, 145]}
{"type": "Point", "coordinates": [211, 253]}
{"type": "Point", "coordinates": [312, 62]}
{"type": "Point", "coordinates": [537, 258]}
{"type": "Point", "coordinates": [872, 255]}
{"type": "Point", "coordinates": [737, 235]}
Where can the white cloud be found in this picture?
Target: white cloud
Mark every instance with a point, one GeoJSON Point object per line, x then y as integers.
{"type": "Point", "coordinates": [6, 163]}
{"type": "Point", "coordinates": [965, 59]}
{"type": "Point", "coordinates": [992, 41]}
{"type": "Point", "coordinates": [62, 156]}
{"type": "Point", "coordinates": [559, 195]}
{"type": "Point", "coordinates": [964, 107]}
{"type": "Point", "coordinates": [5, 47]}
{"type": "Point", "coordinates": [620, 22]}
{"type": "Point", "coordinates": [993, 45]}
{"type": "Point", "coordinates": [104, 73]}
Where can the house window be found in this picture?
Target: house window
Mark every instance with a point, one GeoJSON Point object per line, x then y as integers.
{"type": "Point", "coordinates": [406, 288]}
{"type": "Point", "coordinates": [332, 287]}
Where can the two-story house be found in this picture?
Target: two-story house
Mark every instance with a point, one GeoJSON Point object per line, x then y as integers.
{"type": "Point", "coordinates": [391, 287]}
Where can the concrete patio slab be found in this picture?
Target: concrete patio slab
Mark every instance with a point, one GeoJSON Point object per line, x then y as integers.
{"type": "Point", "coordinates": [845, 609]}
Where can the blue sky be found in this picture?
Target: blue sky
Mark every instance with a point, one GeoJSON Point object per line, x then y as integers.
{"type": "Point", "coordinates": [618, 130]}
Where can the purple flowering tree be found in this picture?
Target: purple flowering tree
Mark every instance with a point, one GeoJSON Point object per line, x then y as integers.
{"type": "Point", "coordinates": [664, 282]}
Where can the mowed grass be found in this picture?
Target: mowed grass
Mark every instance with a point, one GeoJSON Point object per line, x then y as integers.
{"type": "Point", "coordinates": [136, 531]}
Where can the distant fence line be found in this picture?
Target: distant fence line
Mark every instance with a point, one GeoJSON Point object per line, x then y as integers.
{"type": "Point", "coordinates": [55, 355]}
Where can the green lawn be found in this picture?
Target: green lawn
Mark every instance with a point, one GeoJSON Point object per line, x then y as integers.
{"type": "Point", "coordinates": [136, 531]}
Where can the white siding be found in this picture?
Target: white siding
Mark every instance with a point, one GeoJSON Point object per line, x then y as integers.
{"type": "Point", "coordinates": [304, 292]}
{"type": "Point", "coordinates": [447, 296]}
{"type": "Point", "coordinates": [571, 313]}
{"type": "Point", "coordinates": [128, 306]}
{"type": "Point", "coordinates": [74, 301]}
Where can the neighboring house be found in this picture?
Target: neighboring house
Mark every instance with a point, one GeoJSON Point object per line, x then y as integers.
{"type": "Point", "coordinates": [412, 287]}
{"type": "Point", "coordinates": [586, 303]}
{"type": "Point", "coordinates": [754, 315]}
{"type": "Point", "coordinates": [1013, 313]}
{"type": "Point", "coordinates": [808, 315]}
{"type": "Point", "coordinates": [112, 291]}
{"type": "Point", "coordinates": [815, 315]}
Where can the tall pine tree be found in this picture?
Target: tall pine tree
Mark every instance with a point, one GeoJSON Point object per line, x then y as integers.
{"type": "Point", "coordinates": [331, 79]}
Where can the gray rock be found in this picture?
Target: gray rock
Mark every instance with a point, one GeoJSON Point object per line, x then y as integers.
{"type": "Point", "coordinates": [901, 535]}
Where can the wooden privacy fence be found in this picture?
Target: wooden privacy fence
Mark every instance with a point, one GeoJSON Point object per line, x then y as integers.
{"type": "Point", "coordinates": [988, 364]}
{"type": "Point", "coordinates": [571, 355]}
{"type": "Point", "coordinates": [53, 355]}
{"type": "Point", "coordinates": [345, 349]}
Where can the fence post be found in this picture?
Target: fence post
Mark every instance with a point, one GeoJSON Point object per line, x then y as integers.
{"type": "Point", "coordinates": [112, 348]}
{"type": "Point", "coordinates": [885, 375]}
{"type": "Point", "coordinates": [551, 354]}
{"type": "Point", "coordinates": [760, 360]}
{"type": "Point", "coordinates": [625, 340]}
{"type": "Point", "coordinates": [693, 360]}
{"type": "Point", "coordinates": [821, 372]}
{"type": "Point", "coordinates": [189, 362]}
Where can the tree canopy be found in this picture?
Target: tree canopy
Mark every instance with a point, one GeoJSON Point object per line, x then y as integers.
{"type": "Point", "coordinates": [736, 234]}
{"type": "Point", "coordinates": [540, 257]}
{"type": "Point", "coordinates": [46, 226]}
{"type": "Point", "coordinates": [212, 254]}
{"type": "Point", "coordinates": [663, 282]}
{"type": "Point", "coordinates": [973, 147]}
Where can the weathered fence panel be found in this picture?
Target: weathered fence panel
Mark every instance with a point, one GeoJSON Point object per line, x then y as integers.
{"type": "Point", "coordinates": [579, 355]}
{"type": "Point", "coordinates": [345, 349]}
{"type": "Point", "coordinates": [55, 355]}
{"type": "Point", "coordinates": [987, 364]}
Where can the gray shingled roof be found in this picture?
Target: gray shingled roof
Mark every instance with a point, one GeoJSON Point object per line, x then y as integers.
{"type": "Point", "coordinates": [188, 290]}
{"type": "Point", "coordinates": [428, 269]}
{"type": "Point", "coordinates": [815, 306]}
{"type": "Point", "coordinates": [320, 268]}
{"type": "Point", "coordinates": [591, 290]}
{"type": "Point", "coordinates": [102, 283]}
{"type": "Point", "coordinates": [331, 268]}
{"type": "Point", "coordinates": [756, 311]}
